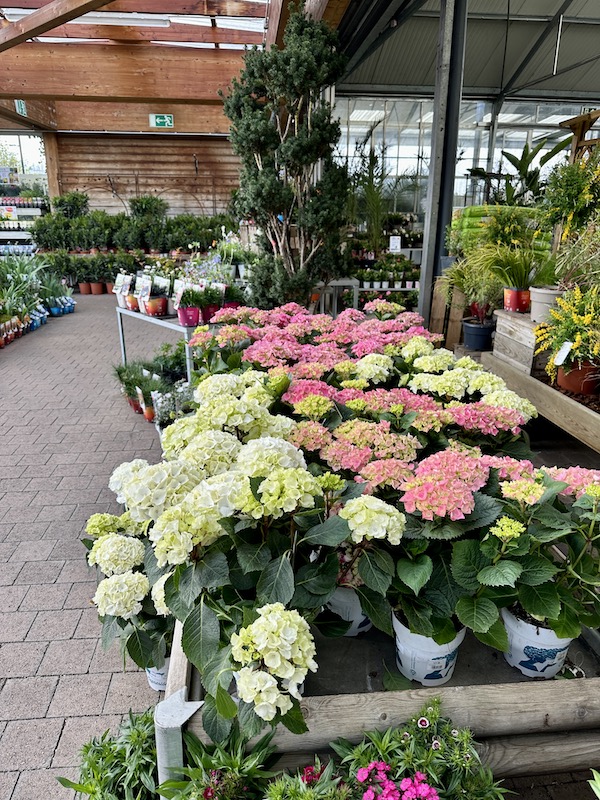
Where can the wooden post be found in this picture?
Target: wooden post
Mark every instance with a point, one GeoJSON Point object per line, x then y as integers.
{"type": "Point", "coordinates": [457, 312]}
{"type": "Point", "coordinates": [52, 164]}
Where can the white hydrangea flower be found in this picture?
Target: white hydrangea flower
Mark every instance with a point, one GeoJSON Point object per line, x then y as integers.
{"type": "Point", "coordinates": [283, 491]}
{"type": "Point", "coordinates": [507, 399]}
{"type": "Point", "coordinates": [417, 346]}
{"type": "Point", "coordinates": [484, 383]}
{"type": "Point", "coordinates": [275, 425]}
{"type": "Point", "coordinates": [259, 394]}
{"type": "Point", "coordinates": [212, 451]}
{"type": "Point", "coordinates": [151, 490]}
{"type": "Point", "coordinates": [115, 554]}
{"type": "Point", "coordinates": [374, 367]}
{"type": "Point", "coordinates": [371, 518]}
{"type": "Point", "coordinates": [121, 595]}
{"type": "Point", "coordinates": [452, 383]}
{"type": "Point", "coordinates": [214, 386]}
{"type": "Point", "coordinates": [158, 596]}
{"type": "Point", "coordinates": [171, 541]}
{"type": "Point", "coordinates": [466, 362]}
{"type": "Point", "coordinates": [177, 436]}
{"type": "Point", "coordinates": [438, 361]}
{"type": "Point", "coordinates": [262, 690]}
{"type": "Point", "coordinates": [260, 456]}
{"type": "Point", "coordinates": [123, 474]}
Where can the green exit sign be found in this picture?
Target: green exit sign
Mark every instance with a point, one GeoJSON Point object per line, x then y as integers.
{"type": "Point", "coordinates": [162, 120]}
{"type": "Point", "coordinates": [21, 107]}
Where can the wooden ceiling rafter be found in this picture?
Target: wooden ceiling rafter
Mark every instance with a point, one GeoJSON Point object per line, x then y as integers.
{"type": "Point", "coordinates": [174, 33]}
{"type": "Point", "coordinates": [44, 19]}
{"type": "Point", "coordinates": [211, 8]}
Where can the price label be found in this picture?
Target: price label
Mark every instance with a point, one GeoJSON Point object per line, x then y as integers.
{"type": "Point", "coordinates": [562, 354]}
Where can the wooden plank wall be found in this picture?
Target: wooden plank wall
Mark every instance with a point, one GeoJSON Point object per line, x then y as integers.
{"type": "Point", "coordinates": [194, 174]}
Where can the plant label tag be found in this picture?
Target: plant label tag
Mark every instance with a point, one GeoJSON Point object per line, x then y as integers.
{"type": "Point", "coordinates": [562, 354]}
{"type": "Point", "coordinates": [395, 244]}
{"type": "Point", "coordinates": [178, 285]}
{"type": "Point", "coordinates": [178, 294]}
{"type": "Point", "coordinates": [140, 395]}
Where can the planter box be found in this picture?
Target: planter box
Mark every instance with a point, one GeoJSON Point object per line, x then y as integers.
{"type": "Point", "coordinates": [514, 342]}
{"type": "Point", "coordinates": [524, 726]}
{"type": "Point", "coordinates": [573, 417]}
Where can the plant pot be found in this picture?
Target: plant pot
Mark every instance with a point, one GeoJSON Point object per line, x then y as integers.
{"type": "Point", "coordinates": [110, 287]}
{"type": "Point", "coordinates": [142, 305]}
{"type": "Point", "coordinates": [85, 287]}
{"type": "Point", "coordinates": [397, 284]}
{"type": "Point", "coordinates": [157, 677]}
{"type": "Point", "coordinates": [208, 312]}
{"type": "Point", "coordinates": [156, 306]}
{"type": "Point", "coordinates": [421, 659]}
{"type": "Point", "coordinates": [189, 317]}
{"type": "Point", "coordinates": [409, 284]}
{"type": "Point", "coordinates": [518, 300]}
{"type": "Point", "coordinates": [366, 284]}
{"type": "Point", "coordinates": [149, 413]}
{"type": "Point", "coordinates": [536, 652]}
{"type": "Point", "coordinates": [543, 298]}
{"type": "Point", "coordinates": [231, 304]}
{"type": "Point", "coordinates": [131, 302]}
{"type": "Point", "coordinates": [385, 284]}
{"type": "Point", "coordinates": [55, 311]}
{"type": "Point", "coordinates": [377, 284]}
{"type": "Point", "coordinates": [346, 604]}
{"type": "Point", "coordinates": [97, 287]}
{"type": "Point", "coordinates": [477, 336]}
{"type": "Point", "coordinates": [584, 379]}
{"type": "Point", "coordinates": [135, 404]}
{"type": "Point", "coordinates": [171, 307]}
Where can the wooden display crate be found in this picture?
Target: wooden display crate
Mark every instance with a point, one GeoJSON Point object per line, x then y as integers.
{"type": "Point", "coordinates": [525, 727]}
{"type": "Point", "coordinates": [514, 342]}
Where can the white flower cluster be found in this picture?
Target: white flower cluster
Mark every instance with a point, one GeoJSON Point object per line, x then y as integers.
{"type": "Point", "coordinates": [158, 595]}
{"type": "Point", "coordinates": [371, 518]}
{"type": "Point", "coordinates": [438, 361]}
{"type": "Point", "coordinates": [504, 398]}
{"type": "Point", "coordinates": [484, 383]}
{"type": "Point", "coordinates": [280, 646]}
{"type": "Point", "coordinates": [260, 456]}
{"type": "Point", "coordinates": [115, 554]}
{"type": "Point", "coordinates": [124, 473]}
{"type": "Point", "coordinates": [212, 452]}
{"type": "Point", "coordinates": [121, 595]}
{"type": "Point", "coordinates": [283, 491]}
{"type": "Point", "coordinates": [452, 383]}
{"type": "Point", "coordinates": [417, 346]}
{"type": "Point", "coordinates": [148, 491]}
{"type": "Point", "coordinates": [375, 368]}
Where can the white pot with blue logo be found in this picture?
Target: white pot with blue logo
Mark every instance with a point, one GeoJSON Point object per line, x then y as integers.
{"type": "Point", "coordinates": [346, 604]}
{"type": "Point", "coordinates": [536, 652]}
{"type": "Point", "coordinates": [157, 676]}
{"type": "Point", "coordinates": [422, 659]}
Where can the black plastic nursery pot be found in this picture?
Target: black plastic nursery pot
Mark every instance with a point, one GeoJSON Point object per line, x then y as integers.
{"type": "Point", "coordinates": [477, 335]}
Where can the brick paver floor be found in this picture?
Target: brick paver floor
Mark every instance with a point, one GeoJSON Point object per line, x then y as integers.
{"type": "Point", "coordinates": [63, 429]}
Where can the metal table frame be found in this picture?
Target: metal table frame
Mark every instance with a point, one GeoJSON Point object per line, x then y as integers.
{"type": "Point", "coordinates": [171, 324]}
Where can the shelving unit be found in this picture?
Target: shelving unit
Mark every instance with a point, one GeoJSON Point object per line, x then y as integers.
{"type": "Point", "coordinates": [18, 241]}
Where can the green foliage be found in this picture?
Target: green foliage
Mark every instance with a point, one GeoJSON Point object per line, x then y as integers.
{"type": "Point", "coordinates": [573, 194]}
{"type": "Point", "coordinates": [224, 771]}
{"type": "Point", "coordinates": [191, 298]}
{"type": "Point", "coordinates": [121, 767]}
{"type": "Point", "coordinates": [71, 204]}
{"type": "Point", "coordinates": [284, 134]}
{"type": "Point", "coordinates": [320, 783]}
{"type": "Point", "coordinates": [148, 206]}
{"type": "Point", "coordinates": [578, 259]}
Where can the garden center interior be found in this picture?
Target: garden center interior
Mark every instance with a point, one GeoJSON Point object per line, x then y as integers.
{"type": "Point", "coordinates": [312, 401]}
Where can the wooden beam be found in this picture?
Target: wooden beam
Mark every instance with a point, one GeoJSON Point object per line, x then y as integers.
{"type": "Point", "coordinates": [40, 114]}
{"type": "Point", "coordinates": [133, 117]}
{"type": "Point", "coordinates": [117, 73]}
{"type": "Point", "coordinates": [44, 19]}
{"type": "Point", "coordinates": [212, 8]}
{"type": "Point", "coordinates": [279, 13]}
{"type": "Point", "coordinates": [174, 33]}
{"type": "Point", "coordinates": [52, 164]}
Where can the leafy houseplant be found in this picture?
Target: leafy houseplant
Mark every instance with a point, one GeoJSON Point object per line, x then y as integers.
{"type": "Point", "coordinates": [284, 133]}
{"type": "Point", "coordinates": [578, 259]}
{"type": "Point", "coordinates": [574, 331]}
{"type": "Point", "coordinates": [121, 766]}
{"type": "Point", "coordinates": [189, 307]}
{"type": "Point", "coordinates": [572, 194]}
{"type": "Point", "coordinates": [71, 204]}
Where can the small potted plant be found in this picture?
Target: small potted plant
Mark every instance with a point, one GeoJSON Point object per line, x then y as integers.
{"type": "Point", "coordinates": [190, 304]}
{"type": "Point", "coordinates": [211, 302]}
{"type": "Point", "coordinates": [156, 304]}
{"type": "Point", "coordinates": [234, 297]}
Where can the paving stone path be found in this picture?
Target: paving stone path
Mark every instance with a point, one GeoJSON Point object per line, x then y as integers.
{"type": "Point", "coordinates": [63, 428]}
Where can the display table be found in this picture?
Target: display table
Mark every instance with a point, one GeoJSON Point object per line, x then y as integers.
{"type": "Point", "coordinates": [164, 322]}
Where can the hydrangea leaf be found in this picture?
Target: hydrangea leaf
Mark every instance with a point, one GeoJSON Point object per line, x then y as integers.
{"type": "Point", "coordinates": [503, 573]}
{"type": "Point", "coordinates": [416, 572]}
{"type": "Point", "coordinates": [276, 582]}
{"type": "Point", "coordinates": [477, 613]}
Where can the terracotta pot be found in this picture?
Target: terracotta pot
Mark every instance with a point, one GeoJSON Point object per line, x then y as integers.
{"type": "Point", "coordinates": [110, 287]}
{"type": "Point", "coordinates": [85, 287]}
{"type": "Point", "coordinates": [132, 302]}
{"type": "Point", "coordinates": [581, 380]}
{"type": "Point", "coordinates": [189, 317]}
{"type": "Point", "coordinates": [97, 287]}
{"type": "Point", "coordinates": [156, 306]}
{"type": "Point", "coordinates": [517, 300]}
{"type": "Point", "coordinates": [208, 312]}
{"type": "Point", "coordinates": [149, 413]}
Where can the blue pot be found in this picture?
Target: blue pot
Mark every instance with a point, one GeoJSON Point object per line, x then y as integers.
{"type": "Point", "coordinates": [477, 336]}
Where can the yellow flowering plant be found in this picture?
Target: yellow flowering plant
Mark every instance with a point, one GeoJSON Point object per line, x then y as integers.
{"type": "Point", "coordinates": [576, 320]}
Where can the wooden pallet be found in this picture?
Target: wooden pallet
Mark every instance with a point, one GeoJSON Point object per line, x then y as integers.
{"type": "Point", "coordinates": [514, 342]}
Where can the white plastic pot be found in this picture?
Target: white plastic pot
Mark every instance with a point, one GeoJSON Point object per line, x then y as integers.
{"type": "Point", "coordinates": [157, 677]}
{"type": "Point", "coordinates": [543, 298]}
{"type": "Point", "coordinates": [346, 604]}
{"type": "Point", "coordinates": [536, 652]}
{"type": "Point", "coordinates": [421, 659]}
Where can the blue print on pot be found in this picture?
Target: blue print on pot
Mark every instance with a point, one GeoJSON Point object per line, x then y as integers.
{"type": "Point", "coordinates": [538, 656]}
{"type": "Point", "coordinates": [442, 672]}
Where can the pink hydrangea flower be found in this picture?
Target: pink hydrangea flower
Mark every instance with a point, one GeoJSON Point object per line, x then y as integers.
{"type": "Point", "coordinates": [300, 389]}
{"type": "Point", "coordinates": [577, 478]}
{"type": "Point", "coordinates": [310, 436]}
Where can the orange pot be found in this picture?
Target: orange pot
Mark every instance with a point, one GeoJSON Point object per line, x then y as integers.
{"type": "Point", "coordinates": [149, 413]}
{"type": "Point", "coordinates": [84, 287]}
{"type": "Point", "coordinates": [97, 288]}
{"type": "Point", "coordinates": [131, 302]}
{"type": "Point", "coordinates": [156, 306]}
{"type": "Point", "coordinates": [581, 380]}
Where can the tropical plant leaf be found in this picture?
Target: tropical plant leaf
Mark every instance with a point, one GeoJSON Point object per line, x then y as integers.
{"type": "Point", "coordinates": [502, 573]}
{"type": "Point", "coordinates": [332, 532]}
{"type": "Point", "coordinates": [276, 582]}
{"type": "Point", "coordinates": [201, 632]}
{"type": "Point", "coordinates": [215, 726]}
{"type": "Point", "coordinates": [467, 563]}
{"type": "Point", "coordinates": [477, 613]}
{"type": "Point", "coordinates": [416, 572]}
